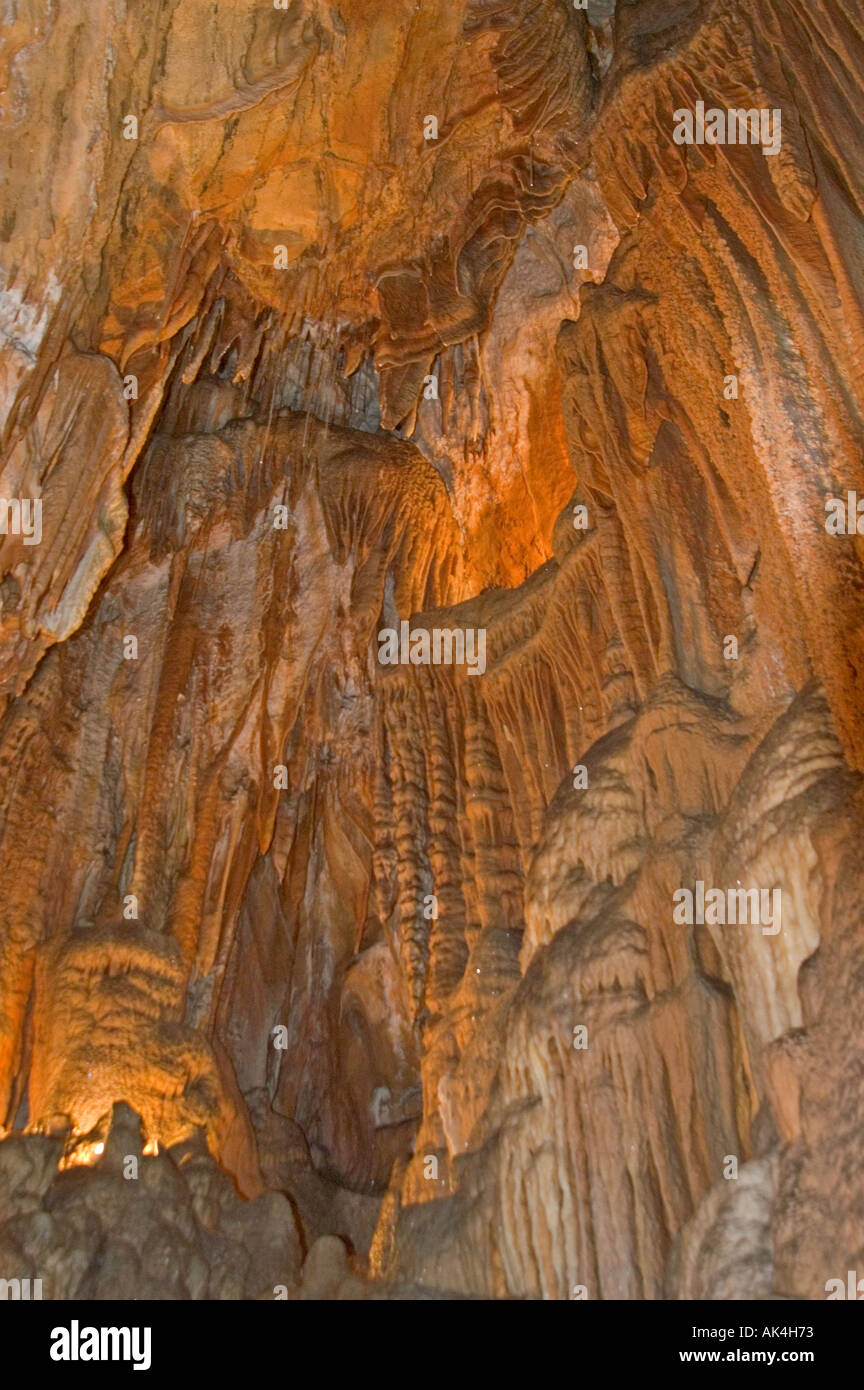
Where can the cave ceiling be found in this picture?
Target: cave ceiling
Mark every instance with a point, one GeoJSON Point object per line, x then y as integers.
{"type": "Point", "coordinates": [431, 597]}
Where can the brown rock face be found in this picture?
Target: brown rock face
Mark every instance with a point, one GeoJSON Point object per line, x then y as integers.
{"type": "Point", "coordinates": [431, 611]}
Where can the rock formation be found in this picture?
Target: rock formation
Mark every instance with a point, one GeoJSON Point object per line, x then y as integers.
{"type": "Point", "coordinates": [431, 629]}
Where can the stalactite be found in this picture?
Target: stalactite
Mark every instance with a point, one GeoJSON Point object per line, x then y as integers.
{"type": "Point", "coordinates": [326, 331]}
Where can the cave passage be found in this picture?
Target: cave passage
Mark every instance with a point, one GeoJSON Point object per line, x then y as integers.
{"type": "Point", "coordinates": [431, 636]}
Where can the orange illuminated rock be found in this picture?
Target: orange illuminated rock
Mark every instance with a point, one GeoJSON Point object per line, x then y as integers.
{"type": "Point", "coordinates": [421, 574]}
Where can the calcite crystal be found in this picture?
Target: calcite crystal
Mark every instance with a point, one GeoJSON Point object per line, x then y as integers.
{"type": "Point", "coordinates": [336, 967]}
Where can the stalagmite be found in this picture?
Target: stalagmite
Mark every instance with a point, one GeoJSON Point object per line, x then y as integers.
{"type": "Point", "coordinates": [431, 613]}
